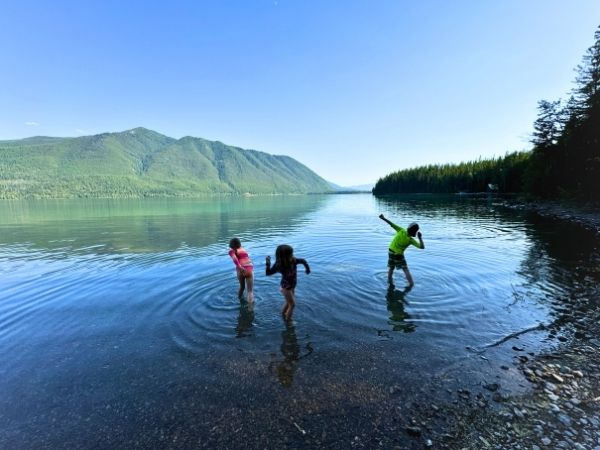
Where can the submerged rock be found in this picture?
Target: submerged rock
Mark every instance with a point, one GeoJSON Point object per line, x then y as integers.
{"type": "Point", "coordinates": [413, 431]}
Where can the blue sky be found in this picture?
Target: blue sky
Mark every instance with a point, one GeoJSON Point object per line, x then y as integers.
{"type": "Point", "coordinates": [353, 89]}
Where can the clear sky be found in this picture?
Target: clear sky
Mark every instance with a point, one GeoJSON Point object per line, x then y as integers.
{"type": "Point", "coordinates": [352, 89]}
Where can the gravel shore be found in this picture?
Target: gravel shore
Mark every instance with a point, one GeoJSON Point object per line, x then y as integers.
{"type": "Point", "coordinates": [560, 408]}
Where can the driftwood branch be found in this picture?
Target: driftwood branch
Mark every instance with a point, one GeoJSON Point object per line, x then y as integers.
{"type": "Point", "coordinates": [539, 326]}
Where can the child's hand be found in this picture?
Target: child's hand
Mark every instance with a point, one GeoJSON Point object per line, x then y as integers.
{"type": "Point", "coordinates": [268, 259]}
{"type": "Point", "coordinates": [419, 235]}
{"type": "Point", "coordinates": [307, 271]}
{"type": "Point", "coordinates": [381, 216]}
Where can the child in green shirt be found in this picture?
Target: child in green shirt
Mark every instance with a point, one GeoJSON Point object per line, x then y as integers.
{"type": "Point", "coordinates": [400, 242]}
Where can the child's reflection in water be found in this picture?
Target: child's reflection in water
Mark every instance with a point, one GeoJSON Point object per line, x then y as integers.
{"type": "Point", "coordinates": [395, 305]}
{"type": "Point", "coordinates": [245, 320]}
{"type": "Point", "coordinates": [290, 349]}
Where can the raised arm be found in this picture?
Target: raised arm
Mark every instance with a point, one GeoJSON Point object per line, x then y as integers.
{"type": "Point", "coordinates": [420, 236]}
{"type": "Point", "coordinates": [304, 263]}
{"type": "Point", "coordinates": [270, 270]}
{"type": "Point", "coordinates": [389, 222]}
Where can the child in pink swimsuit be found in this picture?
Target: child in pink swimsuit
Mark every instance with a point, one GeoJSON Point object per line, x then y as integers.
{"type": "Point", "coordinates": [243, 267]}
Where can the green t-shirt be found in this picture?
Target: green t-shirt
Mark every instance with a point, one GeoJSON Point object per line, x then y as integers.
{"type": "Point", "coordinates": [402, 240]}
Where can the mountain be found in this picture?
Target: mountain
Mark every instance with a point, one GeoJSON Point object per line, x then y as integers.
{"type": "Point", "coordinates": [363, 187]}
{"type": "Point", "coordinates": [350, 189]}
{"type": "Point", "coordinates": [142, 163]}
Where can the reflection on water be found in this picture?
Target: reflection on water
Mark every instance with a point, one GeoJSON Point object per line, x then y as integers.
{"type": "Point", "coordinates": [145, 226]}
{"type": "Point", "coordinates": [103, 303]}
{"type": "Point", "coordinates": [245, 320]}
{"type": "Point", "coordinates": [399, 318]}
{"type": "Point", "coordinates": [292, 353]}
{"type": "Point", "coordinates": [565, 258]}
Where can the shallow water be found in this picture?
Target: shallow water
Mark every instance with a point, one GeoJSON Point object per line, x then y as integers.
{"type": "Point", "coordinates": [120, 325]}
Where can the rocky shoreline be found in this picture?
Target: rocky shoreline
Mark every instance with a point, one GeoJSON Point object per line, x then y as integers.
{"type": "Point", "coordinates": [585, 215]}
{"type": "Point", "coordinates": [560, 411]}
{"type": "Point", "coordinates": [560, 408]}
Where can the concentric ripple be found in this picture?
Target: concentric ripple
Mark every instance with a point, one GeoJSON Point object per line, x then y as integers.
{"type": "Point", "coordinates": [109, 296]}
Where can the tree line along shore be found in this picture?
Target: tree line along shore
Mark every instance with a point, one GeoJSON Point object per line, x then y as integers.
{"type": "Point", "coordinates": [564, 161]}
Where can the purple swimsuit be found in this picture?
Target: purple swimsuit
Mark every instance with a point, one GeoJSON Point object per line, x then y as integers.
{"type": "Point", "coordinates": [289, 278]}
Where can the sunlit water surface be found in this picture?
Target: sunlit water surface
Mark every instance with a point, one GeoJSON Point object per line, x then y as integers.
{"type": "Point", "coordinates": [120, 324]}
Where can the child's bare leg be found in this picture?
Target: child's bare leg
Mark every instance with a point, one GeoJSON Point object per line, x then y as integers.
{"type": "Point", "coordinates": [242, 284]}
{"type": "Point", "coordinates": [391, 275]}
{"type": "Point", "coordinates": [250, 287]}
{"type": "Point", "coordinates": [408, 277]}
{"type": "Point", "coordinates": [285, 303]}
{"type": "Point", "coordinates": [290, 302]}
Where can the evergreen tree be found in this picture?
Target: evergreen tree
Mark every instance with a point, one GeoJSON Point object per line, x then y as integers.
{"type": "Point", "coordinates": [548, 126]}
{"type": "Point", "coordinates": [581, 138]}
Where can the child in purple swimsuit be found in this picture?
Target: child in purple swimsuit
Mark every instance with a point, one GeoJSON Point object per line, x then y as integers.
{"type": "Point", "coordinates": [286, 264]}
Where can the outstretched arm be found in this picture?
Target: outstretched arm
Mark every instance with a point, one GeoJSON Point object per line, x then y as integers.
{"type": "Point", "coordinates": [304, 263]}
{"type": "Point", "coordinates": [389, 222]}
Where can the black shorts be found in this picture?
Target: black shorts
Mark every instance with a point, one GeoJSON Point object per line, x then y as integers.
{"type": "Point", "coordinates": [396, 260]}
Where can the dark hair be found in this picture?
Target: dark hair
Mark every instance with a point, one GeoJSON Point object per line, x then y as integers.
{"type": "Point", "coordinates": [284, 256]}
{"type": "Point", "coordinates": [412, 229]}
{"type": "Point", "coordinates": [235, 243]}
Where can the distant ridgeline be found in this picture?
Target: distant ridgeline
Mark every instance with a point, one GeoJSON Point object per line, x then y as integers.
{"type": "Point", "coordinates": [564, 160]}
{"type": "Point", "coordinates": [143, 163]}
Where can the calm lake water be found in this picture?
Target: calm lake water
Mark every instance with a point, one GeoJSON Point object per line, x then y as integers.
{"type": "Point", "coordinates": [120, 325]}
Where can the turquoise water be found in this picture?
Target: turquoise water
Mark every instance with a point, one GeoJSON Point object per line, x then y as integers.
{"type": "Point", "coordinates": [120, 324]}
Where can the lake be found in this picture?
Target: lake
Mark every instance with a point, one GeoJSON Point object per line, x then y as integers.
{"type": "Point", "coordinates": [120, 325]}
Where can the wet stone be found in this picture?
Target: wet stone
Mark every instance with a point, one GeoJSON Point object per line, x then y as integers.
{"type": "Point", "coordinates": [553, 397]}
{"type": "Point", "coordinates": [413, 431]}
{"type": "Point", "coordinates": [492, 387]}
{"type": "Point", "coordinates": [566, 420]}
{"type": "Point", "coordinates": [498, 397]}
{"type": "Point", "coordinates": [554, 408]}
{"type": "Point", "coordinates": [557, 378]}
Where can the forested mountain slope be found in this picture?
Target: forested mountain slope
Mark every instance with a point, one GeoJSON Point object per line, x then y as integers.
{"type": "Point", "coordinates": [141, 163]}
